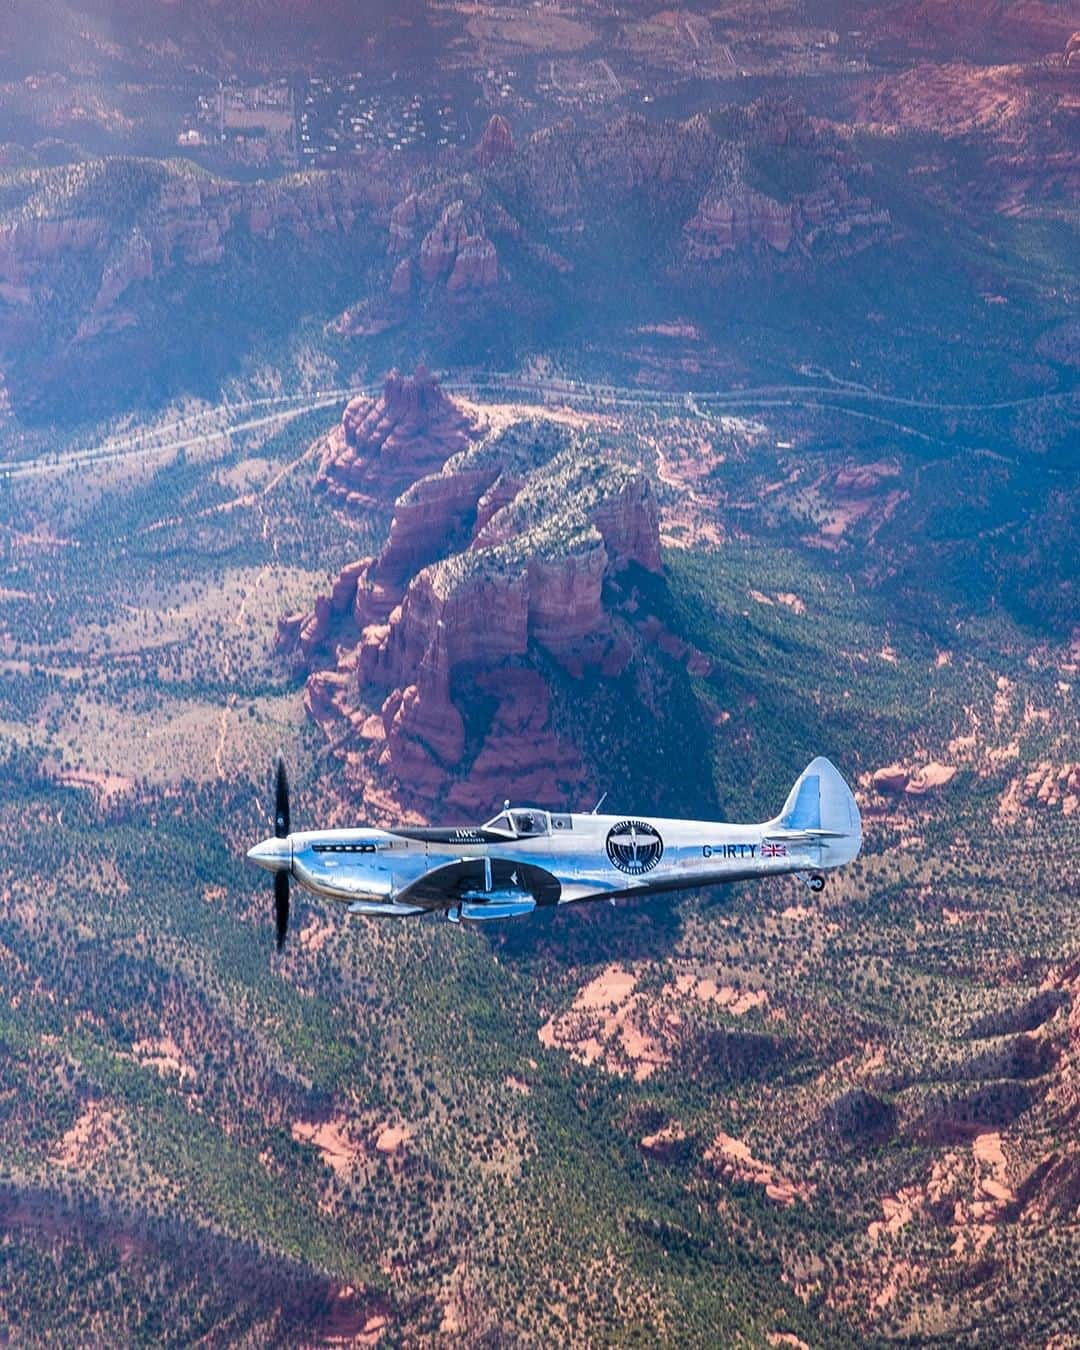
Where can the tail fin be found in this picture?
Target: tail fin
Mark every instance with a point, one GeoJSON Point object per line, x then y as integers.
{"type": "Point", "coordinates": [821, 808]}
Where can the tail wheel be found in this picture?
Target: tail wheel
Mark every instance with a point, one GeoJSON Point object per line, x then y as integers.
{"type": "Point", "coordinates": [817, 882]}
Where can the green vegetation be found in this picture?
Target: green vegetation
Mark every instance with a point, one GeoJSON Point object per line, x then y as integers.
{"type": "Point", "coordinates": [163, 1074]}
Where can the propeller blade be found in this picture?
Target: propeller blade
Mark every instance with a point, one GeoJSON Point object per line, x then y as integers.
{"type": "Point", "coordinates": [281, 906]}
{"type": "Point", "coordinates": [281, 801]}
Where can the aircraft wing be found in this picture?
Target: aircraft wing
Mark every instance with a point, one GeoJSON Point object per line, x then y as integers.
{"type": "Point", "coordinates": [448, 884]}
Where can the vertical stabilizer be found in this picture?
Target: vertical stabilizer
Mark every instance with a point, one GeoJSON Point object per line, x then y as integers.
{"type": "Point", "coordinates": [821, 805]}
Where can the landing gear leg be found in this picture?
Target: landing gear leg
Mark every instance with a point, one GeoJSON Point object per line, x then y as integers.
{"type": "Point", "coordinates": [454, 913]}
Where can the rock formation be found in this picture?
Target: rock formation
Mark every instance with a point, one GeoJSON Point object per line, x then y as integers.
{"type": "Point", "coordinates": [505, 551]}
{"type": "Point", "coordinates": [497, 142]}
{"type": "Point", "coordinates": [402, 220]}
{"type": "Point", "coordinates": [724, 223]}
{"type": "Point", "coordinates": [855, 480]}
{"type": "Point", "coordinates": [402, 280]}
{"type": "Point", "coordinates": [567, 178]}
{"type": "Point", "coordinates": [996, 1178]}
{"type": "Point", "coordinates": [917, 781]}
{"type": "Point", "coordinates": [513, 585]}
{"type": "Point", "coordinates": [456, 249]}
{"type": "Point", "coordinates": [563, 169]}
{"type": "Point", "coordinates": [184, 215]}
{"type": "Point", "coordinates": [476, 265]}
{"type": "Point", "coordinates": [174, 215]}
{"type": "Point", "coordinates": [134, 262]}
{"type": "Point", "coordinates": [385, 442]}
{"type": "Point", "coordinates": [1052, 785]}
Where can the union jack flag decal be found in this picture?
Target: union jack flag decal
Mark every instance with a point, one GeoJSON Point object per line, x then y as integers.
{"type": "Point", "coordinates": [774, 850]}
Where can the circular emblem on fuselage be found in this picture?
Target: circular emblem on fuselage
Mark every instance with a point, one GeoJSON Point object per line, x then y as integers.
{"type": "Point", "coordinates": [634, 847]}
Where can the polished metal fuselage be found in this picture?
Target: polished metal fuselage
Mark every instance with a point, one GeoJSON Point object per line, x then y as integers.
{"type": "Point", "coordinates": [527, 857]}
{"type": "Point", "coordinates": [375, 866]}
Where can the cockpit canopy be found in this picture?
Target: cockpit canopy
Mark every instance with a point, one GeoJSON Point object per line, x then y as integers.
{"type": "Point", "coordinates": [524, 822]}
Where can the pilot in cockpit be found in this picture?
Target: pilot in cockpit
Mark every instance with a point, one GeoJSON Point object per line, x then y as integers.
{"type": "Point", "coordinates": [522, 824]}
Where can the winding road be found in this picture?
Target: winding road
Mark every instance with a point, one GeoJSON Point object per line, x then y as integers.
{"type": "Point", "coordinates": [228, 419]}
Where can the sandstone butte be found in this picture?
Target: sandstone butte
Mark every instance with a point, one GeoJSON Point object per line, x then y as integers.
{"type": "Point", "coordinates": [384, 443]}
{"type": "Point", "coordinates": [505, 546]}
{"type": "Point", "coordinates": [454, 250]}
{"type": "Point", "coordinates": [457, 250]}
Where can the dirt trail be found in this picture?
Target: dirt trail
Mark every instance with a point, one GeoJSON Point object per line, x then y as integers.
{"type": "Point", "coordinates": [243, 500]}
{"type": "Point", "coordinates": [223, 727]}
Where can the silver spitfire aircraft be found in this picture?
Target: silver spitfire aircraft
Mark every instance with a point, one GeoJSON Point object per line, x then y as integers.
{"type": "Point", "coordinates": [526, 857]}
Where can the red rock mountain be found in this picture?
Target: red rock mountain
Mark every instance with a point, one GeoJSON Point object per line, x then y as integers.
{"type": "Point", "coordinates": [454, 250]}
{"type": "Point", "coordinates": [181, 216]}
{"type": "Point", "coordinates": [504, 550]}
{"type": "Point", "coordinates": [565, 178]}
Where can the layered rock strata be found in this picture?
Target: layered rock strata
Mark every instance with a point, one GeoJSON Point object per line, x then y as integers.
{"type": "Point", "coordinates": [387, 441]}
{"type": "Point", "coordinates": [568, 178]}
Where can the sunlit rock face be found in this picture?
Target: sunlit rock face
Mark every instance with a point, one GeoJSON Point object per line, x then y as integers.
{"type": "Point", "coordinates": [385, 442]}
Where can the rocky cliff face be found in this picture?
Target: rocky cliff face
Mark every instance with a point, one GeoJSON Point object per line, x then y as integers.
{"type": "Point", "coordinates": [724, 223]}
{"type": "Point", "coordinates": [496, 143]}
{"type": "Point", "coordinates": [569, 179]}
{"type": "Point", "coordinates": [474, 231]}
{"type": "Point", "coordinates": [506, 550]}
{"type": "Point", "coordinates": [561, 168]}
{"type": "Point", "coordinates": [454, 250]}
{"type": "Point", "coordinates": [564, 168]}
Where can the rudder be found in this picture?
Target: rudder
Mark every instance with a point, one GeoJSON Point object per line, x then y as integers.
{"type": "Point", "coordinates": [820, 804]}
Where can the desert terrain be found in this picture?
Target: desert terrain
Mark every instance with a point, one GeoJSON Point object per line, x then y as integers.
{"type": "Point", "coordinates": [537, 403]}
